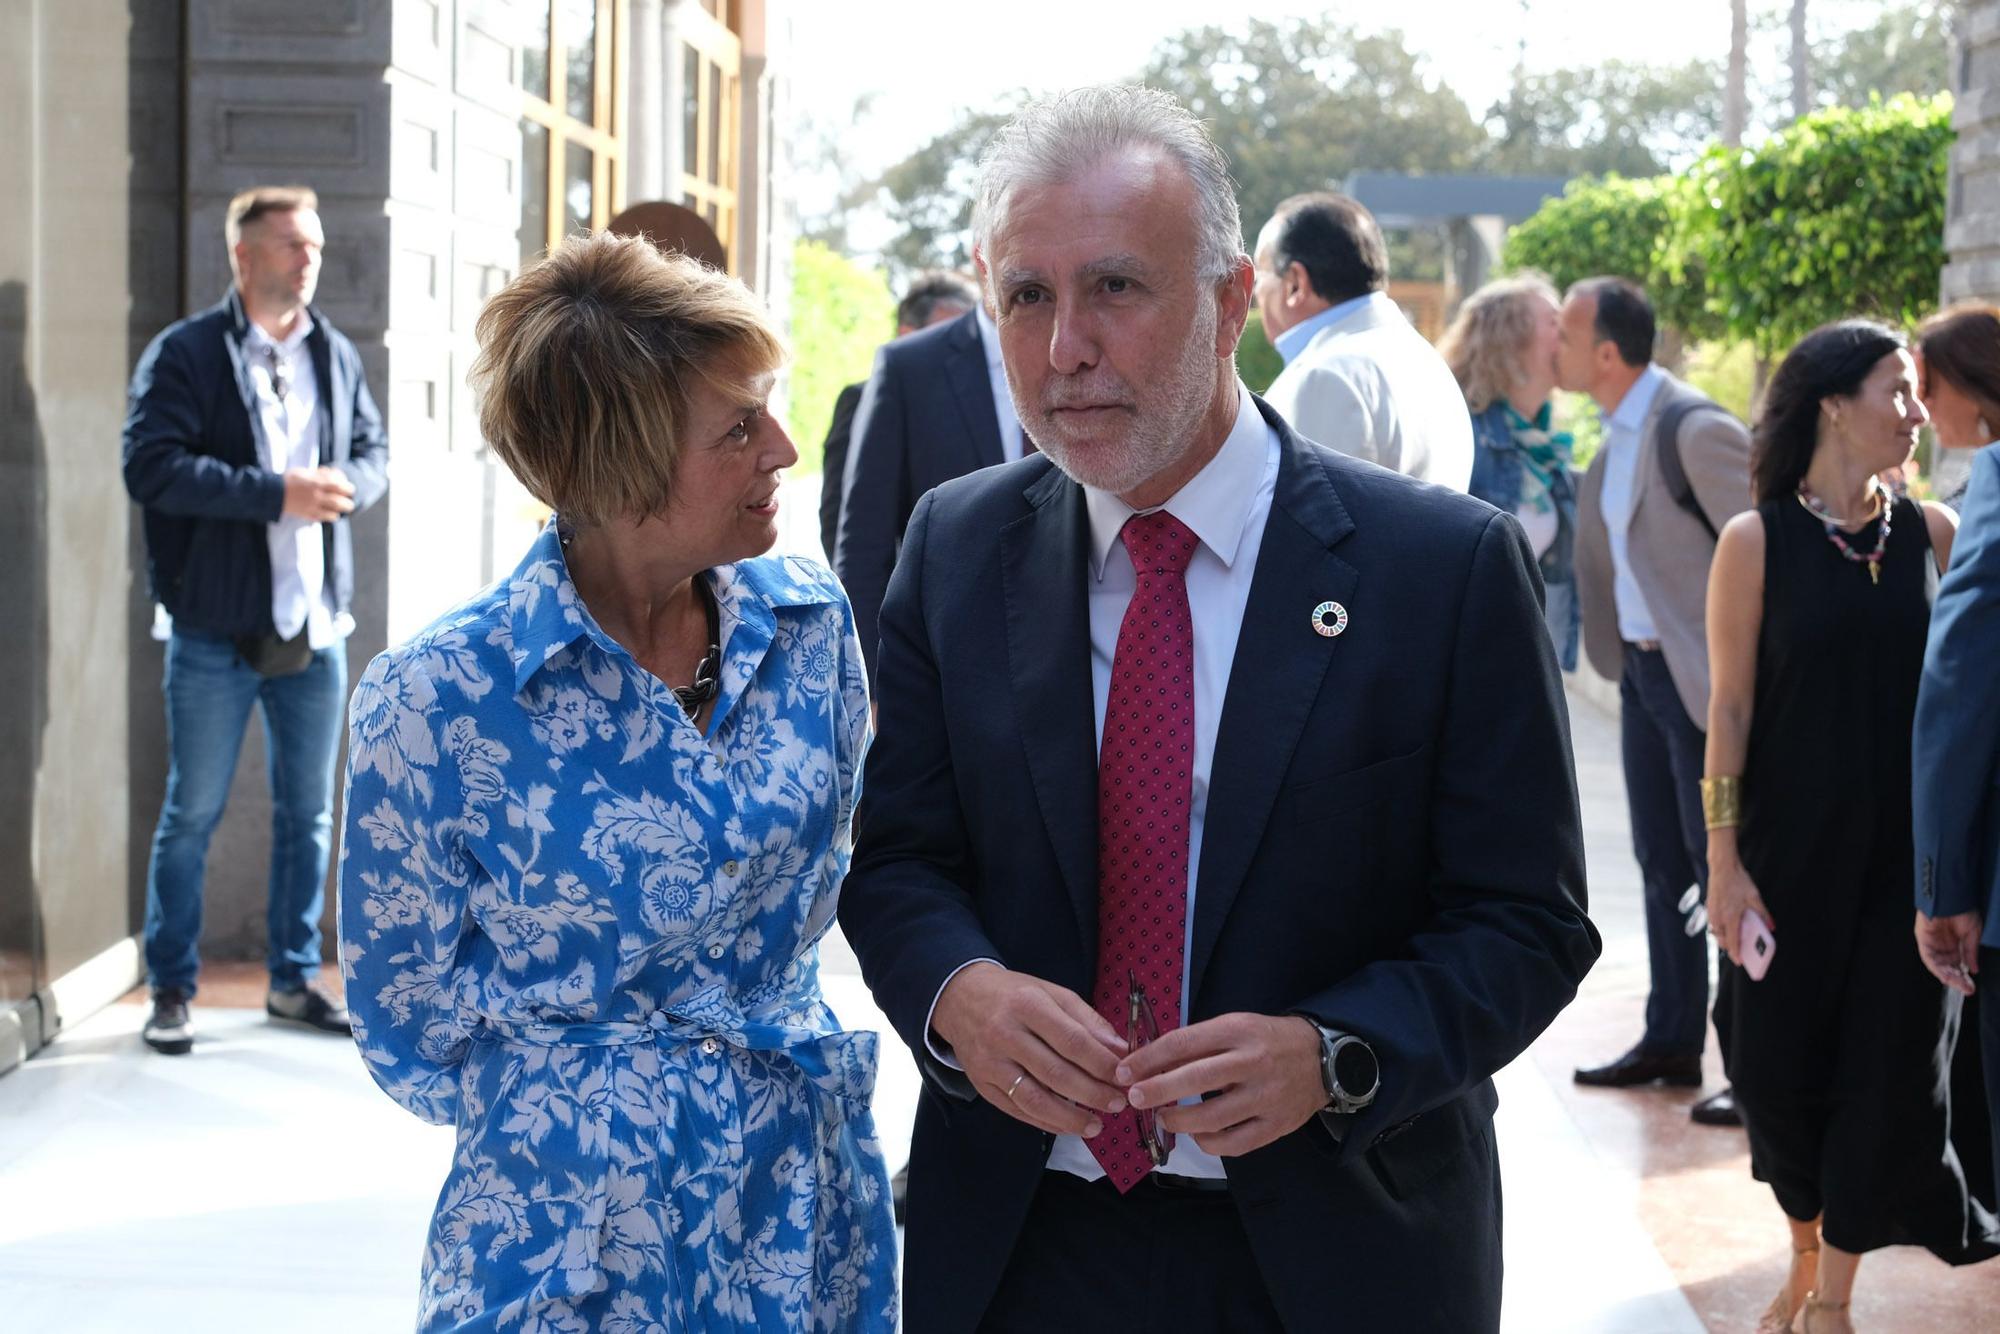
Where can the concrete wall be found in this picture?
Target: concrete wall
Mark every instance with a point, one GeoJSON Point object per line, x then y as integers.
{"type": "Point", "coordinates": [82, 264]}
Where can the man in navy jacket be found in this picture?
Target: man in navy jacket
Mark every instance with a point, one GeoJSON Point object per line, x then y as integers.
{"type": "Point", "coordinates": [1220, 837]}
{"type": "Point", "coordinates": [936, 407]}
{"type": "Point", "coordinates": [250, 440]}
{"type": "Point", "coordinates": [1956, 773]}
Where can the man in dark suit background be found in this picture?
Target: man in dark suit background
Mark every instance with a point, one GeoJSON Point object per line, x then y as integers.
{"type": "Point", "coordinates": [1331, 821]}
{"type": "Point", "coordinates": [1956, 774]}
{"type": "Point", "coordinates": [932, 299]}
{"type": "Point", "coordinates": [936, 407]}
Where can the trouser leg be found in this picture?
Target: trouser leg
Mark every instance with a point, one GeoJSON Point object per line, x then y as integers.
{"type": "Point", "coordinates": [302, 717]}
{"type": "Point", "coordinates": [209, 693]}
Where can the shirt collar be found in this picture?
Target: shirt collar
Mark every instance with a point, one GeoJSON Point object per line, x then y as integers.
{"type": "Point", "coordinates": [1215, 502]}
{"type": "Point", "coordinates": [1630, 414]}
{"type": "Point", "coordinates": [989, 338]}
{"type": "Point", "coordinates": [290, 343]}
{"type": "Point", "coordinates": [1293, 340]}
{"type": "Point", "coordinates": [547, 616]}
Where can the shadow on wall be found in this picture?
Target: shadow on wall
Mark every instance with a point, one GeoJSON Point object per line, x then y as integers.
{"type": "Point", "coordinates": [24, 649]}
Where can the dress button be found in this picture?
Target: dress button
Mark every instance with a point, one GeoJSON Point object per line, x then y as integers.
{"type": "Point", "coordinates": [717, 951]}
{"type": "Point", "coordinates": [710, 1046]}
{"type": "Point", "coordinates": [729, 867]}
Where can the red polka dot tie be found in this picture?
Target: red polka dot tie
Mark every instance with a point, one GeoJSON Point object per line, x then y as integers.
{"type": "Point", "coordinates": [1145, 780]}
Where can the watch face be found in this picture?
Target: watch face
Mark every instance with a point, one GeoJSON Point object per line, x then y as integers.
{"type": "Point", "coordinates": [1355, 1069]}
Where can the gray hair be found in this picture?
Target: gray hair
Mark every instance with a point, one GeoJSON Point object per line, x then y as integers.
{"type": "Point", "coordinates": [1054, 139]}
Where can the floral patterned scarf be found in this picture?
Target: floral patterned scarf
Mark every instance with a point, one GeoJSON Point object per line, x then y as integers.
{"type": "Point", "coordinates": [1546, 454]}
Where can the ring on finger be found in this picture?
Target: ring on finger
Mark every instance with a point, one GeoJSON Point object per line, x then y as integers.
{"type": "Point", "coordinates": [1015, 1085]}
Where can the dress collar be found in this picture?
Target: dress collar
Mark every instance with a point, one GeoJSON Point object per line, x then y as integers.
{"type": "Point", "coordinates": [546, 616]}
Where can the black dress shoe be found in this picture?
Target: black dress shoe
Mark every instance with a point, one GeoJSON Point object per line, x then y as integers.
{"type": "Point", "coordinates": [309, 1007]}
{"type": "Point", "coordinates": [1717, 1110]}
{"type": "Point", "coordinates": [1641, 1067]}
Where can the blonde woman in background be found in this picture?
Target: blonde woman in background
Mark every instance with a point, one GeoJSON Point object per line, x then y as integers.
{"type": "Point", "coordinates": [1502, 350]}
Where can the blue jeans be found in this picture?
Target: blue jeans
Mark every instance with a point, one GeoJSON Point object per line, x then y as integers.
{"type": "Point", "coordinates": [1663, 752]}
{"type": "Point", "coordinates": [209, 694]}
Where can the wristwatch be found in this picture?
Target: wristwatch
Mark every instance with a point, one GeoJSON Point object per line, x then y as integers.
{"type": "Point", "coordinates": [1348, 1069]}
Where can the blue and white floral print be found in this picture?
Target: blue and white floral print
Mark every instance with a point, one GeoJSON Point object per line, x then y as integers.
{"type": "Point", "coordinates": [584, 933]}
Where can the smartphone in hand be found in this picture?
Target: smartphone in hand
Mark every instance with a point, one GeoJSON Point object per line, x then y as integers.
{"type": "Point", "coordinates": [1755, 944]}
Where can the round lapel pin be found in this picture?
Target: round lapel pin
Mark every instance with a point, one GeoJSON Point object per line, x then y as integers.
{"type": "Point", "coordinates": [1329, 618]}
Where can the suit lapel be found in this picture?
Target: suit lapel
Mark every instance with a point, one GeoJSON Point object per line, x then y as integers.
{"type": "Point", "coordinates": [965, 368]}
{"type": "Point", "coordinates": [1044, 564]}
{"type": "Point", "coordinates": [1281, 667]}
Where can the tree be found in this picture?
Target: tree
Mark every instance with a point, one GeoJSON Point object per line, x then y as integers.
{"type": "Point", "coordinates": [1295, 106]}
{"type": "Point", "coordinates": [1622, 118]}
{"type": "Point", "coordinates": [1735, 89]}
{"type": "Point", "coordinates": [1841, 214]}
{"type": "Point", "coordinates": [1802, 98]}
{"type": "Point", "coordinates": [841, 313]}
{"type": "Point", "coordinates": [1906, 50]}
{"type": "Point", "coordinates": [1301, 105]}
{"type": "Point", "coordinates": [928, 197]}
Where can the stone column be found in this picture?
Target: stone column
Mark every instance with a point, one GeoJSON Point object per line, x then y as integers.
{"type": "Point", "coordinates": [645, 106]}
{"type": "Point", "coordinates": [1972, 211]}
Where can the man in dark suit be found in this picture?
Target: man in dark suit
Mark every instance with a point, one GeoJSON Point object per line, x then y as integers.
{"type": "Point", "coordinates": [932, 299]}
{"type": "Point", "coordinates": [1220, 838]}
{"type": "Point", "coordinates": [1956, 799]}
{"type": "Point", "coordinates": [250, 440]}
{"type": "Point", "coordinates": [936, 407]}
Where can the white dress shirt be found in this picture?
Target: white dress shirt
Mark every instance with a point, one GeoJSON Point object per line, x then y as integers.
{"type": "Point", "coordinates": [289, 437]}
{"type": "Point", "coordinates": [1012, 445]}
{"type": "Point", "coordinates": [1225, 505]}
{"type": "Point", "coordinates": [1622, 427]}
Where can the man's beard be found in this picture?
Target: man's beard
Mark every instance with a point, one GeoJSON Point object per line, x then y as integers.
{"type": "Point", "coordinates": [1164, 417]}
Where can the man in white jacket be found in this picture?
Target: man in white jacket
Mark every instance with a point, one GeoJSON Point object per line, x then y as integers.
{"type": "Point", "coordinates": [1357, 377]}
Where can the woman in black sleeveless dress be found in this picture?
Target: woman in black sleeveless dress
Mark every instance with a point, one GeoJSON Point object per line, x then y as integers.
{"type": "Point", "coordinates": [1818, 605]}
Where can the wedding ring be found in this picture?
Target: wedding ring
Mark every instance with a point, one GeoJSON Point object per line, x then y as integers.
{"type": "Point", "coordinates": [1016, 1084]}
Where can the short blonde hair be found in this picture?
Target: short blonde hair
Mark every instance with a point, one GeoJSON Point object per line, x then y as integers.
{"type": "Point", "coordinates": [1484, 344]}
{"type": "Point", "coordinates": [588, 362]}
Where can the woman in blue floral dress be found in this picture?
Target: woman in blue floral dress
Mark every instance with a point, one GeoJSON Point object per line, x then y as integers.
{"type": "Point", "coordinates": [596, 820]}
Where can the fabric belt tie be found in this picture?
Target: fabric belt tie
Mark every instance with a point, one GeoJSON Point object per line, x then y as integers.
{"type": "Point", "coordinates": [700, 1140]}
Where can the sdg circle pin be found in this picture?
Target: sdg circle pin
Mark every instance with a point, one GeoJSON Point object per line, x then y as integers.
{"type": "Point", "coordinates": [1329, 619]}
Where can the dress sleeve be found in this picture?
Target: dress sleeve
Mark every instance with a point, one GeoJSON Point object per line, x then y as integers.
{"type": "Point", "coordinates": [853, 728]}
{"type": "Point", "coordinates": [404, 889]}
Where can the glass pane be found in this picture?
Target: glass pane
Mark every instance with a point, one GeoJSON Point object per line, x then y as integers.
{"type": "Point", "coordinates": [577, 166]}
{"type": "Point", "coordinates": [534, 29]}
{"type": "Point", "coordinates": [534, 192]}
{"type": "Point", "coordinates": [580, 43]}
{"type": "Point", "coordinates": [691, 111]}
{"type": "Point", "coordinates": [718, 111]}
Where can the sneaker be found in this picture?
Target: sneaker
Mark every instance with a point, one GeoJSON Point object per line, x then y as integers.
{"type": "Point", "coordinates": [168, 1029]}
{"type": "Point", "coordinates": [309, 1007]}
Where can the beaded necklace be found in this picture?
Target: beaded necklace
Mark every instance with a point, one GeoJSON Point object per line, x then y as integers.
{"type": "Point", "coordinates": [1817, 508]}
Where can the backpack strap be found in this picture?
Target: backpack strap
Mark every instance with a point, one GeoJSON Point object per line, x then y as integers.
{"type": "Point", "coordinates": [1667, 449]}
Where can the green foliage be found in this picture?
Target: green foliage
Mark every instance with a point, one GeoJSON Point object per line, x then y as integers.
{"type": "Point", "coordinates": [928, 196]}
{"type": "Point", "coordinates": [1256, 360]}
{"type": "Point", "coordinates": [841, 313]}
{"type": "Point", "coordinates": [1841, 214]}
{"type": "Point", "coordinates": [1617, 118]}
{"type": "Point", "coordinates": [1725, 371]}
{"type": "Point", "coordinates": [1612, 226]}
{"type": "Point", "coordinates": [1594, 227]}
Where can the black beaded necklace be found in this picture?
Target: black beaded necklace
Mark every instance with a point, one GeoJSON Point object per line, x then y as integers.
{"type": "Point", "coordinates": [708, 676]}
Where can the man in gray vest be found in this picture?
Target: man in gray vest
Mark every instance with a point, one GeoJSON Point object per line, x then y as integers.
{"type": "Point", "coordinates": [1647, 516]}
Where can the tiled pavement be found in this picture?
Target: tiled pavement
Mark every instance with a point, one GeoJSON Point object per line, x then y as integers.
{"type": "Point", "coordinates": [264, 1183]}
